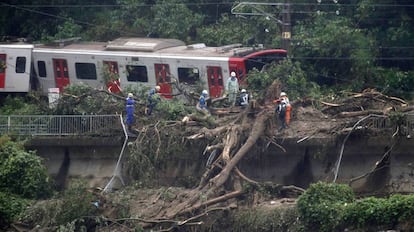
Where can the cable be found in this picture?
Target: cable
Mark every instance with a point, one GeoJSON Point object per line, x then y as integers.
{"type": "Point", "coordinates": [47, 14]}
{"type": "Point", "coordinates": [204, 4]}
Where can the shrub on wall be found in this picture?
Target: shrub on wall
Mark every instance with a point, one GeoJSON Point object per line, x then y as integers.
{"type": "Point", "coordinates": [10, 207]}
{"type": "Point", "coordinates": [22, 173]}
{"type": "Point", "coordinates": [320, 206]}
{"type": "Point", "coordinates": [380, 213]}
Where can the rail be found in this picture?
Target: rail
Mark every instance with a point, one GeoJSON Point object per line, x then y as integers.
{"type": "Point", "coordinates": [107, 125]}
{"type": "Point", "coordinates": [61, 125]}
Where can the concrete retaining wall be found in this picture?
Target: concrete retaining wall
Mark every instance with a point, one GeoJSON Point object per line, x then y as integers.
{"type": "Point", "coordinates": [302, 163]}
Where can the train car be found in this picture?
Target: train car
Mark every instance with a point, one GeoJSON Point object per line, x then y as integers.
{"type": "Point", "coordinates": [15, 69]}
{"type": "Point", "coordinates": [146, 62]}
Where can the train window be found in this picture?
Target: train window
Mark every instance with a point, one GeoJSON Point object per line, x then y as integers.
{"type": "Point", "coordinates": [188, 75]}
{"type": "Point", "coordinates": [86, 71]}
{"type": "Point", "coordinates": [41, 66]}
{"type": "Point", "coordinates": [259, 62]}
{"type": "Point", "coordinates": [20, 64]}
{"type": "Point", "coordinates": [137, 73]}
{"type": "Point", "coordinates": [3, 64]}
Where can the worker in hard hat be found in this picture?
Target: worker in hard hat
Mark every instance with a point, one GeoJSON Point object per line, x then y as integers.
{"type": "Point", "coordinates": [202, 103]}
{"type": "Point", "coordinates": [153, 99]}
{"type": "Point", "coordinates": [232, 88]}
{"type": "Point", "coordinates": [244, 98]}
{"type": "Point", "coordinates": [283, 109]}
{"type": "Point", "coordinates": [130, 111]}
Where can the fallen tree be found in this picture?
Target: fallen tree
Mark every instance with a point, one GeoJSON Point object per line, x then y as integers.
{"type": "Point", "coordinates": [231, 137]}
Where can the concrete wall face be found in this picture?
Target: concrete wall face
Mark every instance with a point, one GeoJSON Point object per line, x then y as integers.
{"type": "Point", "coordinates": [364, 164]}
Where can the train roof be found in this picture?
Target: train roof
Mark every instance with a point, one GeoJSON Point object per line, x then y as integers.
{"type": "Point", "coordinates": [167, 47]}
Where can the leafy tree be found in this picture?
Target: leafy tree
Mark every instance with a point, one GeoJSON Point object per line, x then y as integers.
{"type": "Point", "coordinates": [334, 51]}
{"type": "Point", "coordinates": [391, 24]}
{"type": "Point", "coordinates": [68, 29]}
{"type": "Point", "coordinates": [83, 99]}
{"type": "Point", "coordinates": [287, 72]}
{"type": "Point", "coordinates": [22, 173]}
{"type": "Point", "coordinates": [20, 106]}
{"type": "Point", "coordinates": [173, 19]}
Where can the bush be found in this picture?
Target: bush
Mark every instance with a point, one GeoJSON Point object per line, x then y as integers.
{"type": "Point", "coordinates": [22, 173]}
{"type": "Point", "coordinates": [20, 106]}
{"type": "Point", "coordinates": [267, 219]}
{"type": "Point", "coordinates": [396, 83]}
{"type": "Point", "coordinates": [74, 208]}
{"type": "Point", "coordinates": [380, 213]}
{"type": "Point", "coordinates": [320, 207]}
{"type": "Point", "coordinates": [10, 207]}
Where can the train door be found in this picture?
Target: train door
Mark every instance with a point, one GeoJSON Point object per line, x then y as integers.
{"type": "Point", "coordinates": [111, 74]}
{"type": "Point", "coordinates": [60, 67]}
{"type": "Point", "coordinates": [237, 65]}
{"type": "Point", "coordinates": [3, 66]}
{"type": "Point", "coordinates": [215, 81]}
{"type": "Point", "coordinates": [163, 77]}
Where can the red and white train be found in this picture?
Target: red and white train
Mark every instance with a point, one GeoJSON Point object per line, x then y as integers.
{"type": "Point", "coordinates": [127, 61]}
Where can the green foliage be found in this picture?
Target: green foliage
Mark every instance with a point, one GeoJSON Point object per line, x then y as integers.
{"type": "Point", "coordinates": [229, 30]}
{"type": "Point", "coordinates": [10, 207]}
{"type": "Point", "coordinates": [321, 205]}
{"type": "Point", "coordinates": [383, 213]}
{"type": "Point", "coordinates": [83, 99]}
{"type": "Point", "coordinates": [330, 207]}
{"type": "Point", "coordinates": [76, 203]}
{"type": "Point", "coordinates": [68, 29]}
{"type": "Point", "coordinates": [395, 83]}
{"type": "Point", "coordinates": [172, 109]}
{"type": "Point", "coordinates": [72, 209]}
{"type": "Point", "coordinates": [287, 72]}
{"type": "Point", "coordinates": [22, 173]}
{"type": "Point", "coordinates": [334, 51]}
{"type": "Point", "coordinates": [267, 219]}
{"type": "Point", "coordinates": [173, 19]}
{"type": "Point", "coordinates": [19, 106]}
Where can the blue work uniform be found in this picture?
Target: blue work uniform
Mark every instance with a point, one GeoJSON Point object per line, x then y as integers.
{"type": "Point", "coordinates": [130, 111]}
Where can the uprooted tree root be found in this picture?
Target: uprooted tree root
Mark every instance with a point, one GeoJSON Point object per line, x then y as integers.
{"type": "Point", "coordinates": [232, 138]}
{"type": "Point", "coordinates": [222, 180]}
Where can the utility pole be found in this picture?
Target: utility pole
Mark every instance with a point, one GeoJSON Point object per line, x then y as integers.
{"type": "Point", "coordinates": [285, 22]}
{"type": "Point", "coordinates": [286, 26]}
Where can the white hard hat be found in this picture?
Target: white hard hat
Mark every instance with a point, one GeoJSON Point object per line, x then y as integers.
{"type": "Point", "coordinates": [130, 95]}
{"type": "Point", "coordinates": [282, 94]}
{"type": "Point", "coordinates": [204, 92]}
{"type": "Point", "coordinates": [243, 90]}
{"type": "Point", "coordinates": [157, 88]}
{"type": "Point", "coordinates": [233, 74]}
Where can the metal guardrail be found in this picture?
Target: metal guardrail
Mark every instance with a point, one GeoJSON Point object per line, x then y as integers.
{"type": "Point", "coordinates": [383, 122]}
{"type": "Point", "coordinates": [61, 125]}
{"type": "Point", "coordinates": [107, 125]}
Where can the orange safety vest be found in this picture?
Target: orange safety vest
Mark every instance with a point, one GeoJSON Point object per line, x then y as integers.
{"type": "Point", "coordinates": [288, 109]}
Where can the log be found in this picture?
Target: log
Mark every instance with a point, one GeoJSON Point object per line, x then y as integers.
{"type": "Point", "coordinates": [258, 129]}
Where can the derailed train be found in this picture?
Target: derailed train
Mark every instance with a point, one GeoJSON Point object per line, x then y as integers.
{"type": "Point", "coordinates": [127, 61]}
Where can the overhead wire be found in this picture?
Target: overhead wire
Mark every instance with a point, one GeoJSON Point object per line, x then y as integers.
{"type": "Point", "coordinates": [25, 7]}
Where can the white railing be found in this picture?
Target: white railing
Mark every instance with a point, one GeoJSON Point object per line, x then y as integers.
{"type": "Point", "coordinates": [61, 125]}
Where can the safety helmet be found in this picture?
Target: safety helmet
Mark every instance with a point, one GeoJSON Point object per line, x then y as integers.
{"type": "Point", "coordinates": [243, 90]}
{"type": "Point", "coordinates": [157, 88]}
{"type": "Point", "coordinates": [282, 94]}
{"type": "Point", "coordinates": [233, 74]}
{"type": "Point", "coordinates": [204, 92]}
{"type": "Point", "coordinates": [130, 95]}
